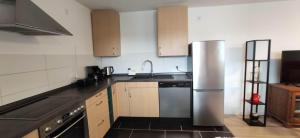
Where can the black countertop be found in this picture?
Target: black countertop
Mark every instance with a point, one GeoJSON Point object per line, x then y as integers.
{"type": "Point", "coordinates": [18, 128]}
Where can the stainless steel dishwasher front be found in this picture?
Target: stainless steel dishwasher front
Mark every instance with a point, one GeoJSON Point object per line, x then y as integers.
{"type": "Point", "coordinates": [175, 99]}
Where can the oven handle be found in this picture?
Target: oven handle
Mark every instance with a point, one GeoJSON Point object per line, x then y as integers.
{"type": "Point", "coordinates": [83, 116]}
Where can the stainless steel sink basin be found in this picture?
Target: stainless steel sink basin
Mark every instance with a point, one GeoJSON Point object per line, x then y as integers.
{"type": "Point", "coordinates": [153, 77]}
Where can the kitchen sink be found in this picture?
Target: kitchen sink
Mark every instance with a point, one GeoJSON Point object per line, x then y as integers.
{"type": "Point", "coordinates": [153, 77]}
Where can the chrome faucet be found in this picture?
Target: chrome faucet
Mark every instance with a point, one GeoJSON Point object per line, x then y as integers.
{"type": "Point", "coordinates": [149, 61]}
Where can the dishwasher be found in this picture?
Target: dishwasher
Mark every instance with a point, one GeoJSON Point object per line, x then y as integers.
{"type": "Point", "coordinates": [175, 99]}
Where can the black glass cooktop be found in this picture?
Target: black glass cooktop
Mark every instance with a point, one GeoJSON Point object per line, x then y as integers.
{"type": "Point", "coordinates": [38, 109]}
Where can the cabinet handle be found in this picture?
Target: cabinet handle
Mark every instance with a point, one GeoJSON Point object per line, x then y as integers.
{"type": "Point", "coordinates": [101, 123]}
{"type": "Point", "coordinates": [129, 94]}
{"type": "Point", "coordinates": [99, 103]}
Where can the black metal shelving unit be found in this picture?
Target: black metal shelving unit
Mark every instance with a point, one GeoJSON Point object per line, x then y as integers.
{"type": "Point", "coordinates": [254, 84]}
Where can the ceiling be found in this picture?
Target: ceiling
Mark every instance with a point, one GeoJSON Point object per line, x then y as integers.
{"type": "Point", "coordinates": [140, 5]}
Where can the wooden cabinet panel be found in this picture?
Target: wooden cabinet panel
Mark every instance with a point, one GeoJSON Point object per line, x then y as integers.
{"type": "Point", "coordinates": [138, 99]}
{"type": "Point", "coordinates": [172, 31]}
{"type": "Point", "coordinates": [99, 127]}
{"type": "Point", "coordinates": [123, 98]}
{"type": "Point", "coordinates": [144, 102]}
{"type": "Point", "coordinates": [115, 102]}
{"type": "Point", "coordinates": [98, 115]}
{"type": "Point", "coordinates": [106, 33]}
{"type": "Point", "coordinates": [142, 85]}
{"type": "Point", "coordinates": [282, 103]}
{"type": "Point", "coordinates": [96, 97]}
{"type": "Point", "coordinates": [143, 97]}
{"type": "Point", "coordinates": [33, 134]}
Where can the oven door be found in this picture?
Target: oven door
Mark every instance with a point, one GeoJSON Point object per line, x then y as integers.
{"type": "Point", "coordinates": [77, 128]}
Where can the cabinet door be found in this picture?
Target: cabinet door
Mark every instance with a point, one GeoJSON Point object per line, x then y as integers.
{"type": "Point", "coordinates": [106, 33]}
{"type": "Point", "coordinates": [115, 102]}
{"type": "Point", "coordinates": [295, 108]}
{"type": "Point", "coordinates": [33, 134]}
{"type": "Point", "coordinates": [123, 98]}
{"type": "Point", "coordinates": [172, 31]}
{"type": "Point", "coordinates": [144, 100]}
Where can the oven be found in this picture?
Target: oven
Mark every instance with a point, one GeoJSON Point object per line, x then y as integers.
{"type": "Point", "coordinates": [72, 124]}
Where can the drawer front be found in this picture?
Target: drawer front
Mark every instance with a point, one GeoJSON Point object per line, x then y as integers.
{"type": "Point", "coordinates": [102, 126]}
{"type": "Point", "coordinates": [98, 118]}
{"type": "Point", "coordinates": [96, 111]}
{"type": "Point", "coordinates": [97, 97]}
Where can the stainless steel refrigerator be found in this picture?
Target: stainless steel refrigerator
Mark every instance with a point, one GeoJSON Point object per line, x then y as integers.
{"type": "Point", "coordinates": [207, 58]}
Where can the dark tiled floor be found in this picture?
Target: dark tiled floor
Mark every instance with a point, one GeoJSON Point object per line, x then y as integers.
{"type": "Point", "coordinates": [136, 123]}
{"type": "Point", "coordinates": [118, 133]}
{"type": "Point", "coordinates": [165, 124]}
{"type": "Point", "coordinates": [163, 128]}
{"type": "Point", "coordinates": [182, 134]}
{"type": "Point", "coordinates": [147, 134]}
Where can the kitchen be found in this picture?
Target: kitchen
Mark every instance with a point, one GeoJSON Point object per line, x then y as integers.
{"type": "Point", "coordinates": [32, 65]}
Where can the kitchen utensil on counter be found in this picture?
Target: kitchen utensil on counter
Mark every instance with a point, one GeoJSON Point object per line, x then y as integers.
{"type": "Point", "coordinates": [109, 70]}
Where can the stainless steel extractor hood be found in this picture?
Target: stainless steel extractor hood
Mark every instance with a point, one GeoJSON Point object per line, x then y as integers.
{"type": "Point", "coordinates": [25, 17]}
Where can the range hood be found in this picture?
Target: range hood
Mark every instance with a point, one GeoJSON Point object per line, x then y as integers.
{"type": "Point", "coordinates": [25, 17]}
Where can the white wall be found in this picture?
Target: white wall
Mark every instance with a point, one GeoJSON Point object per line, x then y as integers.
{"type": "Point", "coordinates": [30, 65]}
{"type": "Point", "coordinates": [138, 42]}
{"type": "Point", "coordinates": [279, 21]}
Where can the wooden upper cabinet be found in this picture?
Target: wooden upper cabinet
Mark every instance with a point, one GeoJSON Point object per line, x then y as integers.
{"type": "Point", "coordinates": [172, 31]}
{"type": "Point", "coordinates": [106, 33]}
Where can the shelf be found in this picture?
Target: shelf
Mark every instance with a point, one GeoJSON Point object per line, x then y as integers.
{"type": "Point", "coordinates": [250, 102]}
{"type": "Point", "coordinates": [257, 63]}
{"type": "Point", "coordinates": [297, 100]}
{"type": "Point", "coordinates": [256, 82]}
{"type": "Point", "coordinates": [257, 60]}
{"type": "Point", "coordinates": [297, 112]}
{"type": "Point", "coordinates": [256, 123]}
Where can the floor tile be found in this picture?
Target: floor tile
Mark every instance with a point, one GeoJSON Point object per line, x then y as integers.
{"type": "Point", "coordinates": [117, 123]}
{"type": "Point", "coordinates": [135, 123]}
{"type": "Point", "coordinates": [222, 128]}
{"type": "Point", "coordinates": [166, 124]}
{"type": "Point", "coordinates": [182, 134]}
{"type": "Point", "coordinates": [118, 133]}
{"type": "Point", "coordinates": [147, 134]}
{"type": "Point", "coordinates": [188, 125]}
{"type": "Point", "coordinates": [215, 134]}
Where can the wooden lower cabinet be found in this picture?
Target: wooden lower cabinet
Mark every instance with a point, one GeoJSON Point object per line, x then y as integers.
{"type": "Point", "coordinates": [33, 134]}
{"type": "Point", "coordinates": [144, 101]}
{"type": "Point", "coordinates": [98, 115]}
{"type": "Point", "coordinates": [284, 104]}
{"type": "Point", "coordinates": [138, 99]}
{"type": "Point", "coordinates": [123, 98]}
{"type": "Point", "coordinates": [133, 99]}
{"type": "Point", "coordinates": [115, 100]}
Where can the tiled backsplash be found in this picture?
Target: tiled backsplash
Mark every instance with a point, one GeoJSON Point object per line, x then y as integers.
{"type": "Point", "coordinates": [22, 76]}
